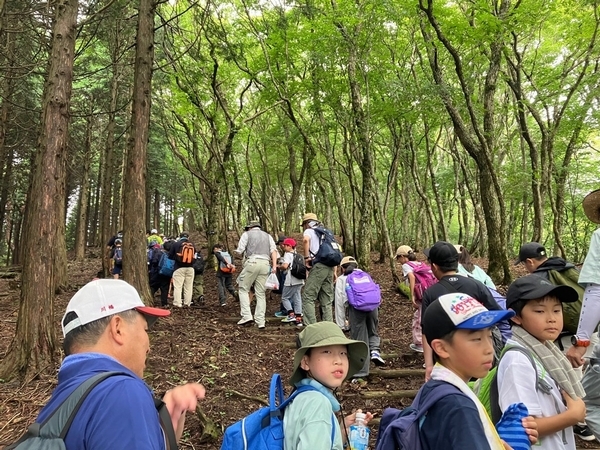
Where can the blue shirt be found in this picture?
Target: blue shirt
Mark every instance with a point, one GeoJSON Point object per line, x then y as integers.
{"type": "Point", "coordinates": [452, 423]}
{"type": "Point", "coordinates": [119, 413]}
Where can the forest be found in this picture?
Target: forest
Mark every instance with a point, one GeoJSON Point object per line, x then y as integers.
{"type": "Point", "coordinates": [397, 122]}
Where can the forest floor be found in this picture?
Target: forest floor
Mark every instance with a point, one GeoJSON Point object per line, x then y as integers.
{"type": "Point", "coordinates": [234, 364]}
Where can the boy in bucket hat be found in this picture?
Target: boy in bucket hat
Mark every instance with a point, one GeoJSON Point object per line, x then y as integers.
{"type": "Point", "coordinates": [106, 330]}
{"type": "Point", "coordinates": [550, 390]}
{"type": "Point", "coordinates": [324, 359]}
{"type": "Point", "coordinates": [458, 330]}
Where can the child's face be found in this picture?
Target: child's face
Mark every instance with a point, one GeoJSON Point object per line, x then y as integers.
{"type": "Point", "coordinates": [470, 354]}
{"type": "Point", "coordinates": [541, 318]}
{"type": "Point", "coordinates": [328, 365]}
{"type": "Point", "coordinates": [287, 248]}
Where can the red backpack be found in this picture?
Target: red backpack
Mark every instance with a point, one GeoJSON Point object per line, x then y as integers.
{"type": "Point", "coordinates": [423, 278]}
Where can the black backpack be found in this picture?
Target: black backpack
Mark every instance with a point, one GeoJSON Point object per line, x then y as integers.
{"type": "Point", "coordinates": [50, 434]}
{"type": "Point", "coordinates": [329, 252]}
{"type": "Point", "coordinates": [198, 264]}
{"type": "Point", "coordinates": [298, 269]}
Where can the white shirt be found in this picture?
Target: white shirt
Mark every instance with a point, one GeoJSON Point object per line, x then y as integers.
{"type": "Point", "coordinates": [314, 241]}
{"type": "Point", "coordinates": [290, 280]}
{"type": "Point", "coordinates": [517, 384]}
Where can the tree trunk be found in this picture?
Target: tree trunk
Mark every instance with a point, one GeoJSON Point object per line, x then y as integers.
{"type": "Point", "coordinates": [34, 344]}
{"type": "Point", "coordinates": [84, 190]}
{"type": "Point", "coordinates": [135, 268]}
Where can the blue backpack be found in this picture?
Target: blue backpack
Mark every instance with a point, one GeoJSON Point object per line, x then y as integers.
{"type": "Point", "coordinates": [363, 293]}
{"type": "Point", "coordinates": [329, 252]}
{"type": "Point", "coordinates": [400, 429]}
{"type": "Point", "coordinates": [166, 266]}
{"type": "Point", "coordinates": [263, 429]}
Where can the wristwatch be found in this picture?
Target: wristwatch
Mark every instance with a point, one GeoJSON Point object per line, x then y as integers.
{"type": "Point", "coordinates": [580, 342]}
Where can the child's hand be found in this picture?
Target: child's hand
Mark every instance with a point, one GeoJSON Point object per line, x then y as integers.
{"type": "Point", "coordinates": [530, 426]}
{"type": "Point", "coordinates": [576, 407]}
{"type": "Point", "coordinates": [351, 418]}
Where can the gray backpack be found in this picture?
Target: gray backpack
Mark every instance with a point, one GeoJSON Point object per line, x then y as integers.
{"type": "Point", "coordinates": [50, 434]}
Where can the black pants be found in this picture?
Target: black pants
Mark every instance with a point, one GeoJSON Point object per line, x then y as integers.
{"type": "Point", "coordinates": [225, 284]}
{"type": "Point", "coordinates": [162, 282]}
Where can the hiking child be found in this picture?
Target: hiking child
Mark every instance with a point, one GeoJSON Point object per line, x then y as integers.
{"type": "Point", "coordinates": [537, 323]}
{"type": "Point", "coordinates": [224, 278]}
{"type": "Point", "coordinates": [116, 254]}
{"type": "Point", "coordinates": [457, 328]}
{"type": "Point", "coordinates": [419, 278]}
{"type": "Point", "coordinates": [363, 324]}
{"type": "Point", "coordinates": [443, 258]}
{"type": "Point", "coordinates": [324, 360]}
{"type": "Point", "coordinates": [558, 271]}
{"type": "Point", "coordinates": [291, 296]}
{"type": "Point", "coordinates": [468, 268]}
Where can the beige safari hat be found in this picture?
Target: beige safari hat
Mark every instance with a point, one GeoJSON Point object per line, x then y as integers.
{"type": "Point", "coordinates": [309, 216]}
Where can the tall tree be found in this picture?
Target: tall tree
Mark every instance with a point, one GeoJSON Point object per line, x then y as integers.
{"type": "Point", "coordinates": [34, 342]}
{"type": "Point", "coordinates": [134, 191]}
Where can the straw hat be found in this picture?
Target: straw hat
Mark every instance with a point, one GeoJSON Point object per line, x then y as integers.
{"type": "Point", "coordinates": [591, 206]}
{"type": "Point", "coordinates": [308, 217]}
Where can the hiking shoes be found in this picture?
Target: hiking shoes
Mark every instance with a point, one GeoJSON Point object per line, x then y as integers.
{"type": "Point", "coordinates": [289, 319]}
{"type": "Point", "coordinates": [377, 359]}
{"type": "Point", "coordinates": [583, 432]}
{"type": "Point", "coordinates": [280, 314]}
{"type": "Point", "coordinates": [299, 323]}
{"type": "Point", "coordinates": [246, 323]}
{"type": "Point", "coordinates": [416, 348]}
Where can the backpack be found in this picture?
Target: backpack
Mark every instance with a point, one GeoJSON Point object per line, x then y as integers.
{"type": "Point", "coordinates": [228, 260]}
{"type": "Point", "coordinates": [186, 253]}
{"type": "Point", "coordinates": [263, 429]}
{"type": "Point", "coordinates": [486, 388]}
{"type": "Point", "coordinates": [329, 253]}
{"type": "Point", "coordinates": [298, 269]}
{"type": "Point", "coordinates": [571, 311]}
{"type": "Point", "coordinates": [363, 293]}
{"type": "Point", "coordinates": [198, 264]}
{"type": "Point", "coordinates": [401, 429]}
{"type": "Point", "coordinates": [424, 278]}
{"type": "Point", "coordinates": [118, 256]}
{"type": "Point", "coordinates": [166, 266]}
{"type": "Point", "coordinates": [50, 434]}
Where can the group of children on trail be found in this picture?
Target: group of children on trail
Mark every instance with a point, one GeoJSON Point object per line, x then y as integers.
{"type": "Point", "coordinates": [494, 378]}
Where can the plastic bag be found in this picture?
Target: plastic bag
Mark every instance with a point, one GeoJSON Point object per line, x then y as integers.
{"type": "Point", "coordinates": [272, 282]}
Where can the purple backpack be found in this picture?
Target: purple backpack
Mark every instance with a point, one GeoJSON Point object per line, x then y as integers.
{"type": "Point", "coordinates": [363, 293]}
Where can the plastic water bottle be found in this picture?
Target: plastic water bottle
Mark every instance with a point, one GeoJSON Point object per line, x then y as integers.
{"type": "Point", "coordinates": [359, 433]}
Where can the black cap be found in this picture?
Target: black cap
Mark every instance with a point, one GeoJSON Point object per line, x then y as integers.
{"type": "Point", "coordinates": [184, 234]}
{"type": "Point", "coordinates": [280, 239]}
{"type": "Point", "coordinates": [530, 250]}
{"type": "Point", "coordinates": [531, 287]}
{"type": "Point", "coordinates": [442, 253]}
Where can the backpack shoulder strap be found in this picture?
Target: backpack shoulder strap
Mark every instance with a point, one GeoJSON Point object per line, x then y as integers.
{"type": "Point", "coordinates": [60, 420]}
{"type": "Point", "coordinates": [540, 384]}
{"type": "Point", "coordinates": [435, 395]}
{"type": "Point", "coordinates": [447, 285]}
{"type": "Point", "coordinates": [166, 424]}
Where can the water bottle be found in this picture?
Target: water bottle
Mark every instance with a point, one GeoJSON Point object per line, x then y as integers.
{"type": "Point", "coordinates": [359, 433]}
